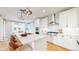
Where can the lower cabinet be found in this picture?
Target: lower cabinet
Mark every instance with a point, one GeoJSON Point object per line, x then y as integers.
{"type": "Point", "coordinates": [66, 41]}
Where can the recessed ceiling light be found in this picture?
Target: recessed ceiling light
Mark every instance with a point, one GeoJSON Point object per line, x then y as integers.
{"type": "Point", "coordinates": [44, 10]}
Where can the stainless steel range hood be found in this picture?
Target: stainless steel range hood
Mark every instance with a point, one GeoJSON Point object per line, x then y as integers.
{"type": "Point", "coordinates": [53, 22]}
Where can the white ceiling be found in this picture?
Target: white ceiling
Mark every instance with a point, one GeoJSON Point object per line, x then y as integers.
{"type": "Point", "coordinates": [36, 11]}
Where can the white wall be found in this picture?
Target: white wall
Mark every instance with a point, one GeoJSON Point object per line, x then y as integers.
{"type": "Point", "coordinates": [8, 29]}
{"type": "Point", "coordinates": [1, 29]}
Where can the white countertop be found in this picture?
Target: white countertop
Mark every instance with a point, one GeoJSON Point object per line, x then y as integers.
{"type": "Point", "coordinates": [30, 38]}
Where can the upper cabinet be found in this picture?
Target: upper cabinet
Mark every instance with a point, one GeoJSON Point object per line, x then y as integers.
{"type": "Point", "coordinates": [44, 25]}
{"type": "Point", "coordinates": [37, 23]}
{"type": "Point", "coordinates": [69, 18]}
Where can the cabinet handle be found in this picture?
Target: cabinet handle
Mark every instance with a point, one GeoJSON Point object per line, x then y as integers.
{"type": "Point", "coordinates": [78, 42]}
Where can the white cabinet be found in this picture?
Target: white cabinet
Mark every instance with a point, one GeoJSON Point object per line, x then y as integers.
{"type": "Point", "coordinates": [44, 25]}
{"type": "Point", "coordinates": [68, 22]}
{"type": "Point", "coordinates": [69, 42]}
{"type": "Point", "coordinates": [72, 18]}
{"type": "Point", "coordinates": [37, 23]}
{"type": "Point", "coordinates": [63, 19]}
{"type": "Point", "coordinates": [40, 45]}
{"type": "Point", "coordinates": [66, 41]}
{"type": "Point", "coordinates": [69, 18]}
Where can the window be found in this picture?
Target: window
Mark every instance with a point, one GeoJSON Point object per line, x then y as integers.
{"type": "Point", "coordinates": [18, 27]}
{"type": "Point", "coordinates": [29, 27]}
{"type": "Point", "coordinates": [22, 27]}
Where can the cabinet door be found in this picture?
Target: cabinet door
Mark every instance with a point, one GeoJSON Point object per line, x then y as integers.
{"type": "Point", "coordinates": [63, 19]}
{"type": "Point", "coordinates": [58, 40]}
{"type": "Point", "coordinates": [37, 23]}
{"type": "Point", "coordinates": [70, 42]}
{"type": "Point", "coordinates": [43, 25]}
{"type": "Point", "coordinates": [72, 18]}
{"type": "Point", "coordinates": [69, 18]}
{"type": "Point", "coordinates": [66, 41]}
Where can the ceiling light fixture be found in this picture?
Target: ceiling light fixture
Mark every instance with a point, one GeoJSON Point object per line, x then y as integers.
{"type": "Point", "coordinates": [28, 11]}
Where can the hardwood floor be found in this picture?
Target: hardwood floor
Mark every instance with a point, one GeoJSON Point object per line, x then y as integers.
{"type": "Point", "coordinates": [53, 47]}
{"type": "Point", "coordinates": [4, 46]}
{"type": "Point", "coordinates": [50, 47]}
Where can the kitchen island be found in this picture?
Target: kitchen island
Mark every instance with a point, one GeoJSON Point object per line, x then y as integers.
{"type": "Point", "coordinates": [38, 41]}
